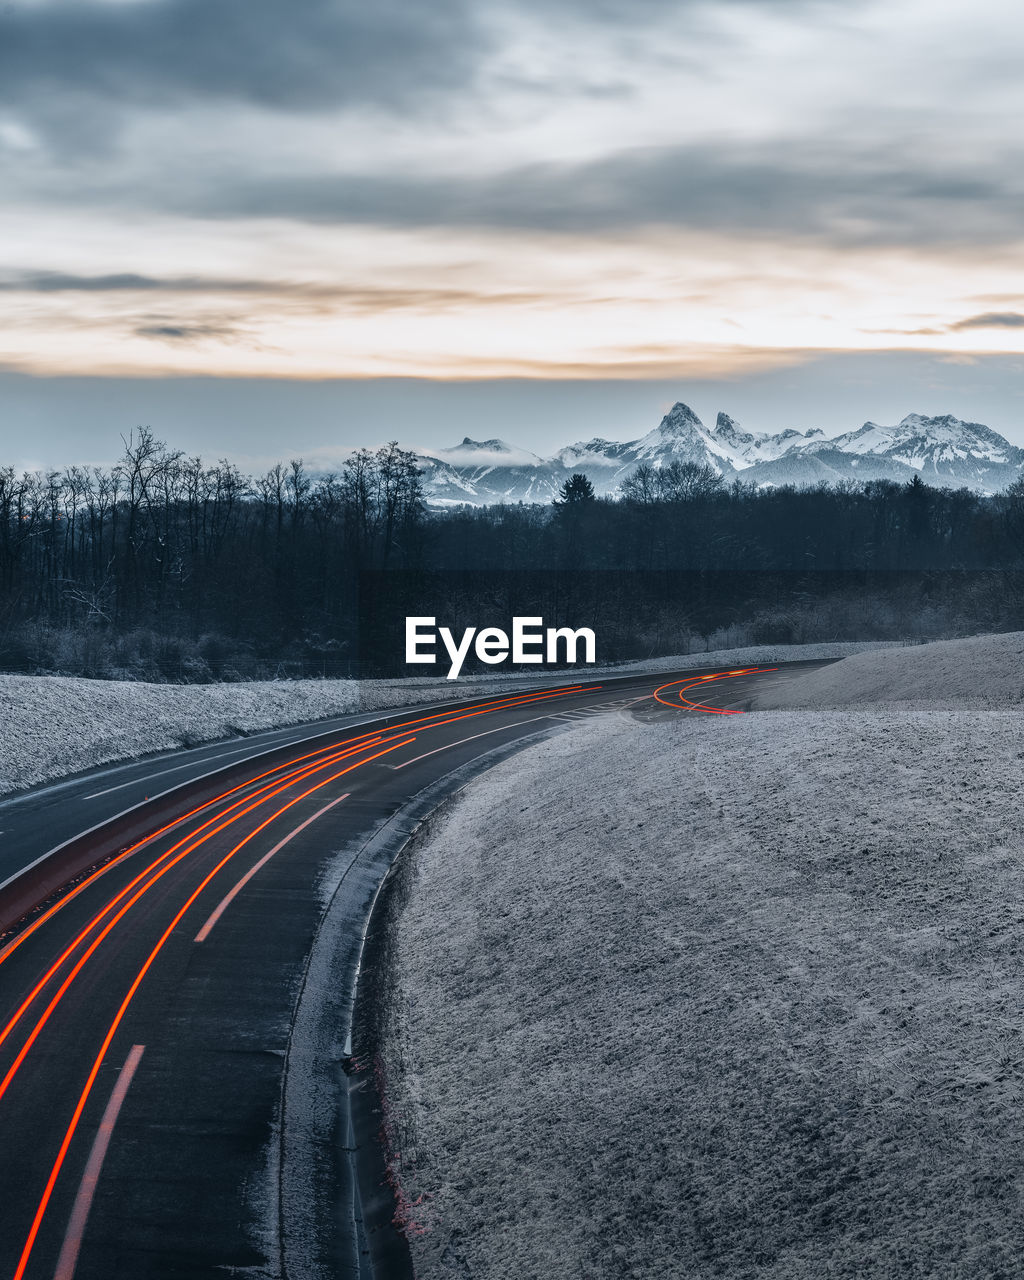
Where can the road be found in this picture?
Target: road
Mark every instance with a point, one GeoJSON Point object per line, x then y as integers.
{"type": "Point", "coordinates": [178, 1090]}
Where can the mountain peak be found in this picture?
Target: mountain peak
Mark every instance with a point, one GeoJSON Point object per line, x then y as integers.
{"type": "Point", "coordinates": [680, 419]}
{"type": "Point", "coordinates": [492, 446]}
{"type": "Point", "coordinates": [730, 429]}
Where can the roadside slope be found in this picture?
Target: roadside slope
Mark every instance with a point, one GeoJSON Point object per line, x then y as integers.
{"type": "Point", "coordinates": [988, 668]}
{"type": "Point", "coordinates": [721, 996]}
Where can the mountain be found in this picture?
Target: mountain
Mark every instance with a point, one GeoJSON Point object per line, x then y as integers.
{"type": "Point", "coordinates": [482, 472]}
{"type": "Point", "coordinates": [943, 451]}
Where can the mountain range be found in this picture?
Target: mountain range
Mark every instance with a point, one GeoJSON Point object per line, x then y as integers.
{"type": "Point", "coordinates": [943, 451]}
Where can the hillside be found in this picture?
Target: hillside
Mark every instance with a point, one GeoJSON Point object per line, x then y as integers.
{"type": "Point", "coordinates": [984, 668]}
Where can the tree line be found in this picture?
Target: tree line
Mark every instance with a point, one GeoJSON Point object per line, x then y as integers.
{"type": "Point", "coordinates": [165, 566]}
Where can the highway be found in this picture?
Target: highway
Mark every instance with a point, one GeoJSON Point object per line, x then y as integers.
{"type": "Point", "coordinates": [179, 1093]}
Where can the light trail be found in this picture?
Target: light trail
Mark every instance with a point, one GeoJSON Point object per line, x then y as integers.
{"type": "Point", "coordinates": [694, 682]}
{"type": "Point", "coordinates": [125, 1003]}
{"type": "Point", "coordinates": [26, 1004]}
{"type": "Point", "coordinates": [26, 933]}
{"type": "Point", "coordinates": [232, 894]}
{"type": "Point", "coordinates": [365, 738]}
{"type": "Point", "coordinates": [448, 746]}
{"type": "Point", "coordinates": [161, 866]}
{"type": "Point", "coordinates": [350, 747]}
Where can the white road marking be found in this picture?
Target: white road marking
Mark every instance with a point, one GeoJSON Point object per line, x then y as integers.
{"type": "Point", "coordinates": [175, 769]}
{"type": "Point", "coordinates": [87, 1189]}
{"type": "Point", "coordinates": [226, 902]}
{"type": "Point", "coordinates": [472, 738]}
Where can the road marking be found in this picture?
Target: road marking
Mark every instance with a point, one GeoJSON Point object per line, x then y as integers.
{"type": "Point", "coordinates": [472, 738]}
{"type": "Point", "coordinates": [228, 898]}
{"type": "Point", "coordinates": [189, 764]}
{"type": "Point", "coordinates": [551, 715]}
{"type": "Point", "coordinates": [83, 1201]}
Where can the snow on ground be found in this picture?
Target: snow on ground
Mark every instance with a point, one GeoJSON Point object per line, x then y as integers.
{"type": "Point", "coordinates": [721, 997]}
{"type": "Point", "coordinates": [983, 667]}
{"type": "Point", "coordinates": [51, 726]}
{"type": "Point", "coordinates": [55, 725]}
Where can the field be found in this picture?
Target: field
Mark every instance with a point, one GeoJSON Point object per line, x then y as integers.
{"type": "Point", "coordinates": [727, 996]}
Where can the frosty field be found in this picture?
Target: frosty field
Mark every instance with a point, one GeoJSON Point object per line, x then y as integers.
{"type": "Point", "coordinates": [51, 726]}
{"type": "Point", "coordinates": [984, 669]}
{"type": "Point", "coordinates": [727, 996]}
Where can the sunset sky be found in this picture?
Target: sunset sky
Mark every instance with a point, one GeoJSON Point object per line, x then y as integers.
{"type": "Point", "coordinates": [251, 223]}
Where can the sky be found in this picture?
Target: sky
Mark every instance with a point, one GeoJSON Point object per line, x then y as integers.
{"type": "Point", "coordinates": [267, 228]}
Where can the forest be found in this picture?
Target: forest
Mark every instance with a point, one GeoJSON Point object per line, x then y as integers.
{"type": "Point", "coordinates": [163, 567]}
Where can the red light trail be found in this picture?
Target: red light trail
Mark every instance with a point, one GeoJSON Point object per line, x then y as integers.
{"type": "Point", "coordinates": [281, 778]}
{"type": "Point", "coordinates": [695, 682]}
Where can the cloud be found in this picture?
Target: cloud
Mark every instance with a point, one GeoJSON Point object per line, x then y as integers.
{"type": "Point", "coordinates": [299, 56]}
{"type": "Point", "coordinates": [351, 297]}
{"type": "Point", "coordinates": [619, 13]}
{"type": "Point", "coordinates": [473, 455]}
{"type": "Point", "coordinates": [988, 320]}
{"type": "Point", "coordinates": [78, 75]}
{"type": "Point", "coordinates": [851, 195]}
{"type": "Point", "coordinates": [184, 332]}
{"type": "Point", "coordinates": [302, 55]}
{"type": "Point", "coordinates": [992, 320]}
{"type": "Point", "coordinates": [79, 70]}
{"type": "Point", "coordinates": [116, 282]}
{"type": "Point", "coordinates": [648, 361]}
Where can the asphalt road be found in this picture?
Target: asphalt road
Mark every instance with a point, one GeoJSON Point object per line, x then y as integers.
{"type": "Point", "coordinates": [176, 1075]}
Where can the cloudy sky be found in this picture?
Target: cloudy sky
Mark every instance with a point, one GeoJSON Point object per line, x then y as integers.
{"type": "Point", "coordinates": [267, 227]}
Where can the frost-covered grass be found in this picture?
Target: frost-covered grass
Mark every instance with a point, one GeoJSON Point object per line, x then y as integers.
{"type": "Point", "coordinates": [722, 997]}
{"type": "Point", "coordinates": [51, 726]}
{"type": "Point", "coordinates": [987, 668]}
{"type": "Point", "coordinates": [55, 725]}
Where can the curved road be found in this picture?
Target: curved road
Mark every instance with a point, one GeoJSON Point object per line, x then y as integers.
{"type": "Point", "coordinates": [175, 1071]}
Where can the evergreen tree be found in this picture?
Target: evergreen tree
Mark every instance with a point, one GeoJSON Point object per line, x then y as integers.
{"type": "Point", "coordinates": [576, 491]}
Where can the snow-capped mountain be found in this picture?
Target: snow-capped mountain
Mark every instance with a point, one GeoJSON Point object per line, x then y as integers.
{"type": "Point", "coordinates": [942, 451]}
{"type": "Point", "coordinates": [744, 448]}
{"type": "Point", "coordinates": [487, 471]}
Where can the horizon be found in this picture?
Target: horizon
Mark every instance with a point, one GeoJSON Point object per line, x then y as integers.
{"type": "Point", "coordinates": [222, 418]}
{"type": "Point", "coordinates": [495, 470]}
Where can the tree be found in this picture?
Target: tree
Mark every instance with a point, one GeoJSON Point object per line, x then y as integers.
{"type": "Point", "coordinates": [641, 485]}
{"type": "Point", "coordinates": [688, 481]}
{"type": "Point", "coordinates": [575, 492]}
